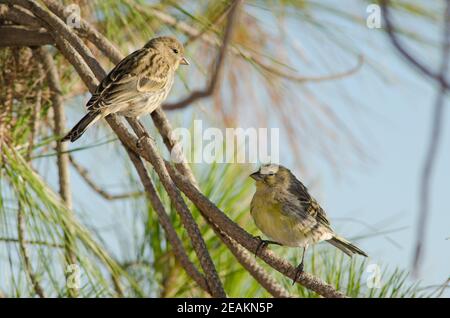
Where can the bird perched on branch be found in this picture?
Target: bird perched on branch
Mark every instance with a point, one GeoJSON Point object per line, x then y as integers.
{"type": "Point", "coordinates": [136, 86]}
{"type": "Point", "coordinates": [285, 212]}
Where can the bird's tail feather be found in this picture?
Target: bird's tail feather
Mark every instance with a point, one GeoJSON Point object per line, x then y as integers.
{"type": "Point", "coordinates": [79, 129]}
{"type": "Point", "coordinates": [345, 246]}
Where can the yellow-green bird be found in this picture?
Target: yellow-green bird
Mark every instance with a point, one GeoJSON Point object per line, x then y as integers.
{"type": "Point", "coordinates": [284, 211]}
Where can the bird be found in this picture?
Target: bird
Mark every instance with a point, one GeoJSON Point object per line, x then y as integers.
{"type": "Point", "coordinates": [137, 85]}
{"type": "Point", "coordinates": [284, 211]}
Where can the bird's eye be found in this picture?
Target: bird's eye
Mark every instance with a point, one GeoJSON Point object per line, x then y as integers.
{"type": "Point", "coordinates": [175, 51]}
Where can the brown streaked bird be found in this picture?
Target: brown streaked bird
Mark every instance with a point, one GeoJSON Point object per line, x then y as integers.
{"type": "Point", "coordinates": [284, 211]}
{"type": "Point", "coordinates": [137, 85]}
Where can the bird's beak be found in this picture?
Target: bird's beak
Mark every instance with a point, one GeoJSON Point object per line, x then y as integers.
{"type": "Point", "coordinates": [256, 176]}
{"type": "Point", "coordinates": [184, 61]}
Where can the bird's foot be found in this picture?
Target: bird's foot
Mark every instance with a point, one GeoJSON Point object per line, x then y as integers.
{"type": "Point", "coordinates": [263, 244]}
{"type": "Point", "coordinates": [298, 272]}
{"type": "Point", "coordinates": [141, 140]}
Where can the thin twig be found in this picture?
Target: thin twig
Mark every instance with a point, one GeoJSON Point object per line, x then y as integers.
{"type": "Point", "coordinates": [404, 52]}
{"type": "Point", "coordinates": [25, 255]}
{"type": "Point", "coordinates": [214, 82]}
{"type": "Point", "coordinates": [42, 243]}
{"type": "Point", "coordinates": [314, 79]}
{"type": "Point", "coordinates": [433, 146]}
{"type": "Point", "coordinates": [84, 173]}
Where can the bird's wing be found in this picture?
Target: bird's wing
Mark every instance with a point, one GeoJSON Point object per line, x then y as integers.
{"type": "Point", "coordinates": [311, 227]}
{"type": "Point", "coordinates": [135, 74]}
{"type": "Point", "coordinates": [316, 211]}
{"type": "Point", "coordinates": [153, 76]}
{"type": "Point", "coordinates": [309, 204]}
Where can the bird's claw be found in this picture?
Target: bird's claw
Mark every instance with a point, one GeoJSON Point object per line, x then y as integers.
{"type": "Point", "coordinates": [141, 140]}
{"type": "Point", "coordinates": [298, 272]}
{"type": "Point", "coordinates": [263, 244]}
